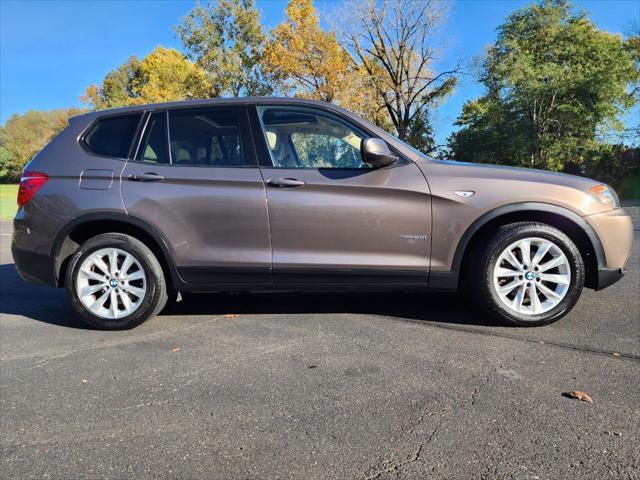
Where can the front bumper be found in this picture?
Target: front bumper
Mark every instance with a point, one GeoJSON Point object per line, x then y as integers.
{"type": "Point", "coordinates": [615, 231]}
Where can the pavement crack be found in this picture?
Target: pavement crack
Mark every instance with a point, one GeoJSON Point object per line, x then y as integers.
{"type": "Point", "coordinates": [487, 379]}
{"type": "Point", "coordinates": [395, 467]}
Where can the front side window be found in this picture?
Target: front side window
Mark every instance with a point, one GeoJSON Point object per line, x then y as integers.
{"type": "Point", "coordinates": [112, 136]}
{"type": "Point", "coordinates": [206, 137]}
{"type": "Point", "coordinates": [300, 137]}
{"type": "Point", "coordinates": [153, 148]}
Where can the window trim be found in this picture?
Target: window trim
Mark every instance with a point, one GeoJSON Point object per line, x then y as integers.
{"type": "Point", "coordinates": [134, 140]}
{"type": "Point", "coordinates": [141, 136]}
{"type": "Point", "coordinates": [263, 155]}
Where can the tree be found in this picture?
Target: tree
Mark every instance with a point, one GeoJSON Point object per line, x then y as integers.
{"type": "Point", "coordinates": [392, 41]}
{"type": "Point", "coordinates": [552, 81]}
{"type": "Point", "coordinates": [163, 75]}
{"type": "Point", "coordinates": [420, 134]}
{"type": "Point", "coordinates": [118, 87]}
{"type": "Point", "coordinates": [227, 41]}
{"type": "Point", "coordinates": [309, 59]}
{"type": "Point", "coordinates": [23, 136]}
{"type": "Point", "coordinates": [166, 75]}
{"type": "Point", "coordinates": [311, 63]}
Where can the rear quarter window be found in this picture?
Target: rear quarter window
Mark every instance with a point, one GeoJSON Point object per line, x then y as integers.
{"type": "Point", "coordinates": [112, 136]}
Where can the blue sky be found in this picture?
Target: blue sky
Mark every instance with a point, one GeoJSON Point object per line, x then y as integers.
{"type": "Point", "coordinates": [50, 51]}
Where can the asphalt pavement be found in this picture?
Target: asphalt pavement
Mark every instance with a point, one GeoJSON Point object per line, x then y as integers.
{"type": "Point", "coordinates": [319, 386]}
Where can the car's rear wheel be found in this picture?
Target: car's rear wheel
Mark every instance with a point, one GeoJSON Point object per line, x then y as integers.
{"type": "Point", "coordinates": [530, 274]}
{"type": "Point", "coordinates": [114, 281]}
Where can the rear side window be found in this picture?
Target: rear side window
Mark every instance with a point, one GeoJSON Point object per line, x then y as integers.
{"type": "Point", "coordinates": [206, 137]}
{"type": "Point", "coordinates": [112, 136]}
{"type": "Point", "coordinates": [154, 143]}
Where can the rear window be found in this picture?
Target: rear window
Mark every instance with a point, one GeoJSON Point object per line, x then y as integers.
{"type": "Point", "coordinates": [207, 137]}
{"type": "Point", "coordinates": [112, 136]}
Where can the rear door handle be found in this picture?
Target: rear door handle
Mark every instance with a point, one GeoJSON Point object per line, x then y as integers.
{"type": "Point", "coordinates": [285, 183]}
{"type": "Point", "coordinates": [146, 177]}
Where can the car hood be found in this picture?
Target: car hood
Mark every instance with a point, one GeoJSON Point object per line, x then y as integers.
{"type": "Point", "coordinates": [485, 170]}
{"type": "Point", "coordinates": [496, 185]}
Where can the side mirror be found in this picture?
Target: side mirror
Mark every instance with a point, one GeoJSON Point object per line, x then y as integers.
{"type": "Point", "coordinates": [376, 153]}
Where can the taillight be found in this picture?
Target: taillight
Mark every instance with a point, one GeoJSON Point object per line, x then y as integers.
{"type": "Point", "coordinates": [30, 183]}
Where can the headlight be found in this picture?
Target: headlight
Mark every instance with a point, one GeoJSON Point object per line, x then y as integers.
{"type": "Point", "coordinates": [605, 195]}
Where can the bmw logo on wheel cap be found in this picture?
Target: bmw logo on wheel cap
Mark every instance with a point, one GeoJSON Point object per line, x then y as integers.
{"type": "Point", "coordinates": [529, 276]}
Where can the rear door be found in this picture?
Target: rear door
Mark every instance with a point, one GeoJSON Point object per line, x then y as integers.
{"type": "Point", "coordinates": [334, 218]}
{"type": "Point", "coordinates": [195, 178]}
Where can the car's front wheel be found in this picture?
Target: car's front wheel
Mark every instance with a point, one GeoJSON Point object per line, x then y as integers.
{"type": "Point", "coordinates": [114, 281]}
{"type": "Point", "coordinates": [529, 274]}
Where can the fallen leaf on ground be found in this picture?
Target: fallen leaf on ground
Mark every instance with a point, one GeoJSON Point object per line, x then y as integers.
{"type": "Point", "coordinates": [175, 349]}
{"type": "Point", "coordinates": [230, 315]}
{"type": "Point", "coordinates": [578, 395]}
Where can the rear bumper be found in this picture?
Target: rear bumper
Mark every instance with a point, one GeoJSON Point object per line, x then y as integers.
{"type": "Point", "coordinates": [34, 267]}
{"type": "Point", "coordinates": [608, 276]}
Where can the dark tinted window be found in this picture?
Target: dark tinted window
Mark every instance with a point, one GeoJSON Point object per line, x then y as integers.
{"type": "Point", "coordinates": [153, 148]}
{"type": "Point", "coordinates": [113, 136]}
{"type": "Point", "coordinates": [206, 136]}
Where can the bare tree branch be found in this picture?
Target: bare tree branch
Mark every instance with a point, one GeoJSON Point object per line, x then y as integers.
{"type": "Point", "coordinates": [393, 40]}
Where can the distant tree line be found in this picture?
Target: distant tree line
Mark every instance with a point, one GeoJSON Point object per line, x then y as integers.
{"type": "Point", "coordinates": [555, 86]}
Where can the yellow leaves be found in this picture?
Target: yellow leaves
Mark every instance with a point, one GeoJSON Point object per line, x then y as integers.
{"type": "Point", "coordinates": [300, 50]}
{"type": "Point", "coordinates": [166, 75]}
{"type": "Point", "coordinates": [91, 95]}
{"type": "Point", "coordinates": [162, 76]}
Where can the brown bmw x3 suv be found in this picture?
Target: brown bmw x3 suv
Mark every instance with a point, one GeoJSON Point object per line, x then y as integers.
{"type": "Point", "coordinates": [127, 207]}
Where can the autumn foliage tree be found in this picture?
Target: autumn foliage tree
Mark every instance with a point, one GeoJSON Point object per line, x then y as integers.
{"type": "Point", "coordinates": [311, 61]}
{"type": "Point", "coordinates": [163, 75]}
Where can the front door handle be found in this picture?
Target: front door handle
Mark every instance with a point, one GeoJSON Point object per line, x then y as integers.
{"type": "Point", "coordinates": [285, 183]}
{"type": "Point", "coordinates": [146, 177]}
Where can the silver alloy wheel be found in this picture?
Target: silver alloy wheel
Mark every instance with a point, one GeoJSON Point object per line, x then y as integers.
{"type": "Point", "coordinates": [532, 276]}
{"type": "Point", "coordinates": [111, 283]}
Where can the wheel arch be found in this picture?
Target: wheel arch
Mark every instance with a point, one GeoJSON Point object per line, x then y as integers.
{"type": "Point", "coordinates": [86, 226]}
{"type": "Point", "coordinates": [574, 226]}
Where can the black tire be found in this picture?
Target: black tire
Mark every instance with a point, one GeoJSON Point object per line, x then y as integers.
{"type": "Point", "coordinates": [154, 298]}
{"type": "Point", "coordinates": [481, 275]}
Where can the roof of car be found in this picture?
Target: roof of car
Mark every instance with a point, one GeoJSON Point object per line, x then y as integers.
{"type": "Point", "coordinates": [211, 101]}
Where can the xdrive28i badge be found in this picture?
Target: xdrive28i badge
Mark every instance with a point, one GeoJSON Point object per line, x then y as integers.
{"type": "Point", "coordinates": [412, 237]}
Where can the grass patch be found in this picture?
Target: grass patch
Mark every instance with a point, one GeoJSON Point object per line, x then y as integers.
{"type": "Point", "coordinates": [8, 205]}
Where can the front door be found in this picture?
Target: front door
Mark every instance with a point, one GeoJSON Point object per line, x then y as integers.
{"type": "Point", "coordinates": [332, 217]}
{"type": "Point", "coordinates": [196, 180]}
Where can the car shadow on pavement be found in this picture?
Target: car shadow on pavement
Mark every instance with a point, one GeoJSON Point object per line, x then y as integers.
{"type": "Point", "coordinates": [44, 304]}
{"type": "Point", "coordinates": [427, 307]}
{"type": "Point", "coordinates": [50, 305]}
